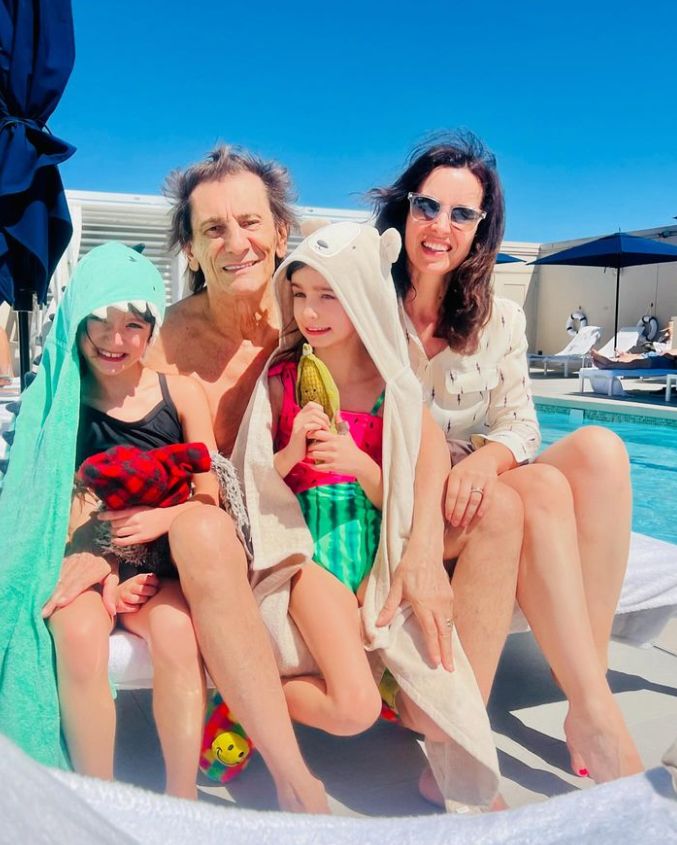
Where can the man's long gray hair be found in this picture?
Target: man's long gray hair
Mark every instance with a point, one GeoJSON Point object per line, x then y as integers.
{"type": "Point", "coordinates": [220, 162]}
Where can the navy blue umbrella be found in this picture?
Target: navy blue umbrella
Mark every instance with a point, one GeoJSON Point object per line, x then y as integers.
{"type": "Point", "coordinates": [617, 250]}
{"type": "Point", "coordinates": [37, 52]}
{"type": "Point", "coordinates": [504, 258]}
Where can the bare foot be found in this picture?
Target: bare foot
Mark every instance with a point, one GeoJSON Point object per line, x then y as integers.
{"type": "Point", "coordinates": [600, 745]}
{"type": "Point", "coordinates": [600, 360]}
{"type": "Point", "coordinates": [428, 788]}
{"type": "Point", "coordinates": [306, 797]}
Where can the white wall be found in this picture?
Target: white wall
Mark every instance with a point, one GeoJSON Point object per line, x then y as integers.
{"type": "Point", "coordinates": [515, 281]}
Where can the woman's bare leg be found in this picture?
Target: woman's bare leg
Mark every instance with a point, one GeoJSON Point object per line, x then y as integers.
{"type": "Point", "coordinates": [345, 700]}
{"type": "Point", "coordinates": [595, 463]}
{"type": "Point", "coordinates": [237, 650]}
{"type": "Point", "coordinates": [178, 683]}
{"type": "Point", "coordinates": [484, 582]}
{"type": "Point", "coordinates": [81, 631]}
{"type": "Point", "coordinates": [551, 593]}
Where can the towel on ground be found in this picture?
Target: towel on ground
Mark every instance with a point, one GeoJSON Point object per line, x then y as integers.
{"type": "Point", "coordinates": [81, 810]}
{"type": "Point", "coordinates": [356, 262]}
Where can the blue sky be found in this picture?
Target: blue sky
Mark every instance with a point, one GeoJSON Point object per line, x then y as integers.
{"type": "Point", "coordinates": [577, 100]}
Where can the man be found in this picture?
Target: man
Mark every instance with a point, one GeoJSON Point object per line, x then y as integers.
{"type": "Point", "coordinates": [224, 221]}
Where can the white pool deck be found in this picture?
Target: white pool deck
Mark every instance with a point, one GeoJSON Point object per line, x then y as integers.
{"type": "Point", "coordinates": [376, 774]}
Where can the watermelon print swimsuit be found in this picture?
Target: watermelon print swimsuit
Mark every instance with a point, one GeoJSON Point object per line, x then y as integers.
{"type": "Point", "coordinates": [344, 524]}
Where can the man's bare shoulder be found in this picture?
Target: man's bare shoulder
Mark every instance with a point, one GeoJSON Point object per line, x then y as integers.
{"type": "Point", "coordinates": [181, 325]}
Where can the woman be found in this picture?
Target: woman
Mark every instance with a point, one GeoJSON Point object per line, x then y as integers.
{"type": "Point", "coordinates": [468, 348]}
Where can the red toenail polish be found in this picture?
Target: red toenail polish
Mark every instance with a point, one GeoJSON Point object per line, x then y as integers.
{"type": "Point", "coordinates": [583, 773]}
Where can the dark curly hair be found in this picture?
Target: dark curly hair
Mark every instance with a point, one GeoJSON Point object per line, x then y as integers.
{"type": "Point", "coordinates": [220, 162]}
{"type": "Point", "coordinates": [466, 306]}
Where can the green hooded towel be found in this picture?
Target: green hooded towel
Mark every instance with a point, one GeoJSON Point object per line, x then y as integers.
{"type": "Point", "coordinates": [36, 497]}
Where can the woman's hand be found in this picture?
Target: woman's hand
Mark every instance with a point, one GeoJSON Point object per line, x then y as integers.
{"type": "Point", "coordinates": [422, 580]}
{"type": "Point", "coordinates": [137, 525]}
{"type": "Point", "coordinates": [470, 486]}
{"type": "Point", "coordinates": [129, 596]}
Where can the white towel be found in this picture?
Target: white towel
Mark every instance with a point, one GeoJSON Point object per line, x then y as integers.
{"type": "Point", "coordinates": [80, 810]}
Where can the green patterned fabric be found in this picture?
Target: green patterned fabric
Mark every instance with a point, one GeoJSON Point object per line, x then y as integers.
{"type": "Point", "coordinates": [36, 497]}
{"type": "Point", "coordinates": [345, 527]}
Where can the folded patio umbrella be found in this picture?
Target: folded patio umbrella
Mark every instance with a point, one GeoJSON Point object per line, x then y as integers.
{"type": "Point", "coordinates": [37, 52]}
{"type": "Point", "coordinates": [617, 250]}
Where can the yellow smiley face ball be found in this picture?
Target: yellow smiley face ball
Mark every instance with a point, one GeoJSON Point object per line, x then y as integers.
{"type": "Point", "coordinates": [230, 748]}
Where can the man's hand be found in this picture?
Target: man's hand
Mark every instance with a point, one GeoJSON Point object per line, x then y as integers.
{"type": "Point", "coordinates": [423, 582]}
{"type": "Point", "coordinates": [79, 572]}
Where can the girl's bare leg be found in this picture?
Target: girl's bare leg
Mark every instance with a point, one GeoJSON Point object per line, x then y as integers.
{"type": "Point", "coordinates": [551, 593]}
{"type": "Point", "coordinates": [595, 463]}
{"type": "Point", "coordinates": [345, 700]}
{"type": "Point", "coordinates": [236, 648]}
{"type": "Point", "coordinates": [81, 631]}
{"type": "Point", "coordinates": [178, 683]}
{"type": "Point", "coordinates": [484, 582]}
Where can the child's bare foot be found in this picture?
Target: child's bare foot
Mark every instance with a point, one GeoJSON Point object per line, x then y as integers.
{"type": "Point", "coordinates": [302, 796]}
{"type": "Point", "coordinates": [428, 788]}
{"type": "Point", "coordinates": [600, 745]}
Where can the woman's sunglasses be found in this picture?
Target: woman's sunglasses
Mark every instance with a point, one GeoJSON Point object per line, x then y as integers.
{"type": "Point", "coordinates": [428, 209]}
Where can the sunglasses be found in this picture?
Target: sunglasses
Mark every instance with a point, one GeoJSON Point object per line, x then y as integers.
{"type": "Point", "coordinates": [428, 209]}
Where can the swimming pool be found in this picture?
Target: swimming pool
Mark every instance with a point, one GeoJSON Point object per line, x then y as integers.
{"type": "Point", "coordinates": [653, 460]}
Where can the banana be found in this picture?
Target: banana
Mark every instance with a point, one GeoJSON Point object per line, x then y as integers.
{"type": "Point", "coordinates": [314, 383]}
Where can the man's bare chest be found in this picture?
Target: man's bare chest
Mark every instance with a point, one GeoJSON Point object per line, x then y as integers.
{"type": "Point", "coordinates": [228, 393]}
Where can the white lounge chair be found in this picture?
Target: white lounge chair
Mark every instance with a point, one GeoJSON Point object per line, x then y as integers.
{"type": "Point", "coordinates": [625, 339]}
{"type": "Point", "coordinates": [575, 352]}
{"type": "Point", "coordinates": [609, 382]}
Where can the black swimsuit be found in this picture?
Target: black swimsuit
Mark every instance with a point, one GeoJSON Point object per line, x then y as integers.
{"type": "Point", "coordinates": [98, 431]}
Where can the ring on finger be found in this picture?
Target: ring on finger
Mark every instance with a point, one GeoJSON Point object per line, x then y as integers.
{"type": "Point", "coordinates": [477, 490]}
{"type": "Point", "coordinates": [449, 623]}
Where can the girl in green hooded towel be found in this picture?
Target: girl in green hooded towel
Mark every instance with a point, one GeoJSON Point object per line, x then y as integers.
{"type": "Point", "coordinates": [92, 392]}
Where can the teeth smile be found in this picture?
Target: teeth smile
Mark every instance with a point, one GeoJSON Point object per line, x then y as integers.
{"type": "Point", "coordinates": [230, 268]}
{"type": "Point", "coordinates": [436, 247]}
{"type": "Point", "coordinates": [117, 356]}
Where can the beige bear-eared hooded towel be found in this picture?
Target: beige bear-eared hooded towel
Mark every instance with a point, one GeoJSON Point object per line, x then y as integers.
{"type": "Point", "coordinates": [356, 262]}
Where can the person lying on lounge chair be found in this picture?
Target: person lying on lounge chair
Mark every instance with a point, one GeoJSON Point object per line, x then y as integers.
{"type": "Point", "coordinates": [633, 361]}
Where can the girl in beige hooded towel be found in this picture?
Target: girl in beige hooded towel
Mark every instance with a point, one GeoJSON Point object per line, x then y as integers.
{"type": "Point", "coordinates": [315, 550]}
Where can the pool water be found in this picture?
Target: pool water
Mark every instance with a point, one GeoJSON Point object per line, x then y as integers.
{"type": "Point", "coordinates": [653, 462]}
